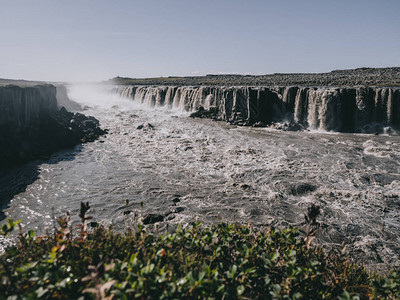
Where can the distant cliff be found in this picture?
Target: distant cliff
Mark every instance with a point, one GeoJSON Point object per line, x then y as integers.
{"type": "Point", "coordinates": [346, 109]}
{"type": "Point", "coordinates": [382, 77]}
{"type": "Point", "coordinates": [64, 101]}
{"type": "Point", "coordinates": [33, 125]}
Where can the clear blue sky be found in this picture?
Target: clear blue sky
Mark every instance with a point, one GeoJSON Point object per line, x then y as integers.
{"type": "Point", "coordinates": [97, 39]}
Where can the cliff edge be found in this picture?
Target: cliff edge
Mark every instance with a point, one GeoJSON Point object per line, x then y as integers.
{"type": "Point", "coordinates": [379, 77]}
{"type": "Point", "coordinates": [32, 124]}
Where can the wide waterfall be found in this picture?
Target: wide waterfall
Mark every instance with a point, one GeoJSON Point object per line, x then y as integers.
{"type": "Point", "coordinates": [358, 109]}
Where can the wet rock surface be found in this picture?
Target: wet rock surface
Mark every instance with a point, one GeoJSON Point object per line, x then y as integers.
{"type": "Point", "coordinates": [152, 218]}
{"type": "Point", "coordinates": [211, 113]}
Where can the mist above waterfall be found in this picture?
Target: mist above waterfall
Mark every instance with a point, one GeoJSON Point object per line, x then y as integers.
{"type": "Point", "coordinates": [93, 96]}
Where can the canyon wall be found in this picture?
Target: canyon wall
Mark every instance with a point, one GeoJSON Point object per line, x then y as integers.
{"type": "Point", "coordinates": [33, 123]}
{"type": "Point", "coordinates": [22, 106]}
{"type": "Point", "coordinates": [346, 109]}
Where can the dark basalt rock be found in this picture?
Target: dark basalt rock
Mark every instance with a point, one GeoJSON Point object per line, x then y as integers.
{"type": "Point", "coordinates": [176, 200]}
{"type": "Point", "coordinates": [152, 218]}
{"type": "Point", "coordinates": [145, 126]}
{"type": "Point", "coordinates": [201, 112]}
{"type": "Point", "coordinates": [288, 126]}
{"type": "Point", "coordinates": [32, 124]}
{"type": "Point", "coordinates": [179, 209]}
{"type": "Point", "coordinates": [52, 132]}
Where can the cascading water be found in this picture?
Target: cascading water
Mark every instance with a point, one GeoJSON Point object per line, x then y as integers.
{"type": "Point", "coordinates": [330, 109]}
{"type": "Point", "coordinates": [183, 168]}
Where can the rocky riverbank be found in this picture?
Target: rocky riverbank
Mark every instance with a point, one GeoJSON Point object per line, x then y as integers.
{"type": "Point", "coordinates": [32, 125]}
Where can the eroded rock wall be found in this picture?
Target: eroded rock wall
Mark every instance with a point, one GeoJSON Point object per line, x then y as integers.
{"type": "Point", "coordinates": [33, 126]}
{"type": "Point", "coordinates": [22, 106]}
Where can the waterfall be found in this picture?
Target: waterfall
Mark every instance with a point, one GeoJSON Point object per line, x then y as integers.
{"type": "Point", "coordinates": [331, 109]}
{"type": "Point", "coordinates": [300, 106]}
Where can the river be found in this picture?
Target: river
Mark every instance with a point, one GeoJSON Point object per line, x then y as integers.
{"type": "Point", "coordinates": [187, 169]}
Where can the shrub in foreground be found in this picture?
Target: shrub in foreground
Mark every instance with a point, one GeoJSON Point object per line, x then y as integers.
{"type": "Point", "coordinates": [221, 261]}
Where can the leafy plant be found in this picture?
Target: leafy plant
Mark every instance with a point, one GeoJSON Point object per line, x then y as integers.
{"type": "Point", "coordinates": [221, 261]}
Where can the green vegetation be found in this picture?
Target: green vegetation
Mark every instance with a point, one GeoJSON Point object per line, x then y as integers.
{"type": "Point", "coordinates": [222, 261]}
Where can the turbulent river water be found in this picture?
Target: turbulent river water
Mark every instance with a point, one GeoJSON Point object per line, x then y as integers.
{"type": "Point", "coordinates": [185, 168]}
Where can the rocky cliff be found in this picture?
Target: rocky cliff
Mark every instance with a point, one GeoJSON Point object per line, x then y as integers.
{"type": "Point", "coordinates": [345, 109]}
{"type": "Point", "coordinates": [32, 125]}
{"type": "Point", "coordinates": [22, 106]}
{"type": "Point", "coordinates": [383, 77]}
